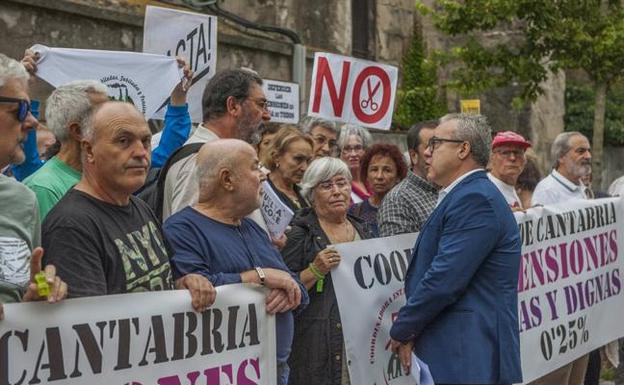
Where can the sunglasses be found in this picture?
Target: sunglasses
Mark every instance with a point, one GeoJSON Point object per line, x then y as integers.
{"type": "Point", "coordinates": [23, 107]}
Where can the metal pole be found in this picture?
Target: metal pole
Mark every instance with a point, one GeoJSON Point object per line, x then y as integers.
{"type": "Point", "coordinates": [299, 74]}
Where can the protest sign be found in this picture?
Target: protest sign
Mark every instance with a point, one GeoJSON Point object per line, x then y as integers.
{"type": "Point", "coordinates": [351, 90]}
{"type": "Point", "coordinates": [283, 100]}
{"type": "Point", "coordinates": [569, 289]}
{"type": "Point", "coordinates": [129, 76]}
{"type": "Point", "coordinates": [150, 338]}
{"type": "Point", "coordinates": [191, 35]}
{"type": "Point", "coordinates": [276, 213]}
{"type": "Point", "coordinates": [570, 282]}
{"type": "Point", "coordinates": [369, 288]}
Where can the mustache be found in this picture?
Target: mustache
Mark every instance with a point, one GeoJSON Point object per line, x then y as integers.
{"type": "Point", "coordinates": [137, 164]}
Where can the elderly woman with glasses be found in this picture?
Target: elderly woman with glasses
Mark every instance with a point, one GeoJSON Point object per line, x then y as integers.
{"type": "Point", "coordinates": [318, 351]}
{"type": "Point", "coordinates": [353, 143]}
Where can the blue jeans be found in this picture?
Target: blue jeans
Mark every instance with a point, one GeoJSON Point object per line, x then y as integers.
{"type": "Point", "coordinates": [283, 370]}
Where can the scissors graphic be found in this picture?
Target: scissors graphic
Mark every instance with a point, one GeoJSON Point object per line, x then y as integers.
{"type": "Point", "coordinates": [371, 93]}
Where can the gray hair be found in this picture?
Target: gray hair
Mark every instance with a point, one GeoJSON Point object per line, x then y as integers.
{"type": "Point", "coordinates": [561, 146]}
{"type": "Point", "coordinates": [232, 82]}
{"type": "Point", "coordinates": [11, 69]}
{"type": "Point", "coordinates": [320, 170]}
{"type": "Point", "coordinates": [70, 103]}
{"type": "Point", "coordinates": [351, 129]}
{"type": "Point", "coordinates": [475, 130]}
{"type": "Point", "coordinates": [309, 122]}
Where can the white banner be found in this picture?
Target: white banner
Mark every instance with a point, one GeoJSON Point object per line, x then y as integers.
{"type": "Point", "coordinates": [570, 289]}
{"type": "Point", "coordinates": [140, 339]}
{"type": "Point", "coordinates": [283, 98]}
{"type": "Point", "coordinates": [570, 282]}
{"type": "Point", "coordinates": [191, 35]}
{"type": "Point", "coordinates": [276, 214]}
{"type": "Point", "coordinates": [369, 288]}
{"type": "Point", "coordinates": [129, 76]}
{"type": "Point", "coordinates": [352, 90]}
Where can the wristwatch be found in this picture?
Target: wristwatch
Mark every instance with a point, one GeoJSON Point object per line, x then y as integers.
{"type": "Point", "coordinates": [261, 274]}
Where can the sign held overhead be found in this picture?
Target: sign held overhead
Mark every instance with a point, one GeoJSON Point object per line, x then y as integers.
{"type": "Point", "coordinates": [351, 90]}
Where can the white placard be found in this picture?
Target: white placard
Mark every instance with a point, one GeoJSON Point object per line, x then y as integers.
{"type": "Point", "coordinates": [352, 90]}
{"type": "Point", "coordinates": [276, 214]}
{"type": "Point", "coordinates": [190, 35]}
{"type": "Point", "coordinates": [369, 298]}
{"type": "Point", "coordinates": [129, 76]}
{"type": "Point", "coordinates": [283, 100]}
{"type": "Point", "coordinates": [140, 339]}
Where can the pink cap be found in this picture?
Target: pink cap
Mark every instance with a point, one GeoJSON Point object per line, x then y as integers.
{"type": "Point", "coordinates": [510, 137]}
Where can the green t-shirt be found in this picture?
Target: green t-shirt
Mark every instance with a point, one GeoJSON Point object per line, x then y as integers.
{"type": "Point", "coordinates": [51, 182]}
{"type": "Point", "coordinates": [20, 233]}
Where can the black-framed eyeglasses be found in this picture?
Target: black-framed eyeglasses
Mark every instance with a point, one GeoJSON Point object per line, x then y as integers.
{"type": "Point", "coordinates": [434, 141]}
{"type": "Point", "coordinates": [23, 107]}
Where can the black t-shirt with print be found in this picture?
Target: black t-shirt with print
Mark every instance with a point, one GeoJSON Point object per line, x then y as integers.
{"type": "Point", "coordinates": [99, 248]}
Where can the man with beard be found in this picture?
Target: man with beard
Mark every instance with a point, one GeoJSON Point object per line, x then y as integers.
{"type": "Point", "coordinates": [20, 254]}
{"type": "Point", "coordinates": [572, 155]}
{"type": "Point", "coordinates": [506, 164]}
{"type": "Point", "coordinates": [234, 106]}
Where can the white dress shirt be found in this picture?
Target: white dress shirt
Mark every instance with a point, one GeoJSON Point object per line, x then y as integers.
{"type": "Point", "coordinates": [556, 188]}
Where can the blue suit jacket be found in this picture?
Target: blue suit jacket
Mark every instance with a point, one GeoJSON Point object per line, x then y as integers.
{"type": "Point", "coordinates": [461, 288]}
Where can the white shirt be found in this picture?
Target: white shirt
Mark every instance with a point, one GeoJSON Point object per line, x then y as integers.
{"type": "Point", "coordinates": [508, 191]}
{"type": "Point", "coordinates": [445, 191]}
{"type": "Point", "coordinates": [617, 187]}
{"type": "Point", "coordinates": [556, 188]}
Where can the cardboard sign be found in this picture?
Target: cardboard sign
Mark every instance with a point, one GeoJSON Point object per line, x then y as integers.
{"type": "Point", "coordinates": [351, 90]}
{"type": "Point", "coordinates": [283, 100]}
{"type": "Point", "coordinates": [190, 35]}
{"type": "Point", "coordinates": [152, 338]}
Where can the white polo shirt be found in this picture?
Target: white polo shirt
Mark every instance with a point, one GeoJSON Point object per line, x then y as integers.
{"type": "Point", "coordinates": [508, 191]}
{"type": "Point", "coordinates": [556, 188]}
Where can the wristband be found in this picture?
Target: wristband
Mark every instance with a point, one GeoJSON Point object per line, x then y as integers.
{"type": "Point", "coordinates": [315, 271]}
{"type": "Point", "coordinates": [43, 289]}
{"type": "Point", "coordinates": [261, 275]}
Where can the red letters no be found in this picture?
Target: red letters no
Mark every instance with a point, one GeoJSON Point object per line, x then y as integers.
{"type": "Point", "coordinates": [324, 74]}
{"type": "Point", "coordinates": [385, 99]}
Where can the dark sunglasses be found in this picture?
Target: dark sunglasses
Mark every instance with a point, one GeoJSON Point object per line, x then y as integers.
{"type": "Point", "coordinates": [23, 107]}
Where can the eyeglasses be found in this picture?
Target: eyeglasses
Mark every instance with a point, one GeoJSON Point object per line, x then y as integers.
{"type": "Point", "coordinates": [321, 140]}
{"type": "Point", "coordinates": [328, 185]}
{"type": "Point", "coordinates": [262, 103]}
{"type": "Point", "coordinates": [356, 148]}
{"type": "Point", "coordinates": [508, 153]}
{"type": "Point", "coordinates": [23, 107]}
{"type": "Point", "coordinates": [434, 141]}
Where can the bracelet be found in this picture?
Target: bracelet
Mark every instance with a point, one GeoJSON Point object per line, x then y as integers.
{"type": "Point", "coordinates": [317, 273]}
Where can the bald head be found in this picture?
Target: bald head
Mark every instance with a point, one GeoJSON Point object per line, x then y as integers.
{"type": "Point", "coordinates": [216, 156]}
{"type": "Point", "coordinates": [110, 115]}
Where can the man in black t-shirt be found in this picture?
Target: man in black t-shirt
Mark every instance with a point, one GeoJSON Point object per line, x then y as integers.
{"type": "Point", "coordinates": [102, 239]}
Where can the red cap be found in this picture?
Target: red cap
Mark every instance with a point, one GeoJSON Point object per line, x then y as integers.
{"type": "Point", "coordinates": [510, 137]}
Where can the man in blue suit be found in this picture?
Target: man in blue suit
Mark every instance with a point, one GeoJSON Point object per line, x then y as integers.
{"type": "Point", "coordinates": [461, 285]}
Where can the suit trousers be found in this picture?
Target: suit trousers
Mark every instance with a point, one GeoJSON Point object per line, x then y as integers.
{"type": "Point", "coordinates": [570, 374]}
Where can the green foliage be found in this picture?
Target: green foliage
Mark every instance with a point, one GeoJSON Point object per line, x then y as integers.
{"type": "Point", "coordinates": [579, 100]}
{"type": "Point", "coordinates": [549, 35]}
{"type": "Point", "coordinates": [418, 99]}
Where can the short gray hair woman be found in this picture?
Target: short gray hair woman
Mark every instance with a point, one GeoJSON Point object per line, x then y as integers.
{"type": "Point", "coordinates": [318, 336]}
{"type": "Point", "coordinates": [353, 142]}
{"type": "Point", "coordinates": [324, 134]}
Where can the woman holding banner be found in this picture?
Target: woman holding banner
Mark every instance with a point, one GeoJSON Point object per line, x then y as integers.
{"type": "Point", "coordinates": [353, 143]}
{"type": "Point", "coordinates": [288, 157]}
{"type": "Point", "coordinates": [317, 355]}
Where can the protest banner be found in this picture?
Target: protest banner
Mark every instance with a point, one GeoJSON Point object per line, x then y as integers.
{"type": "Point", "coordinates": [129, 76]}
{"type": "Point", "coordinates": [283, 100]}
{"type": "Point", "coordinates": [352, 90]}
{"type": "Point", "coordinates": [369, 288]}
{"type": "Point", "coordinates": [190, 35]}
{"type": "Point", "coordinates": [150, 338]}
{"type": "Point", "coordinates": [569, 289]}
{"type": "Point", "coordinates": [276, 213]}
